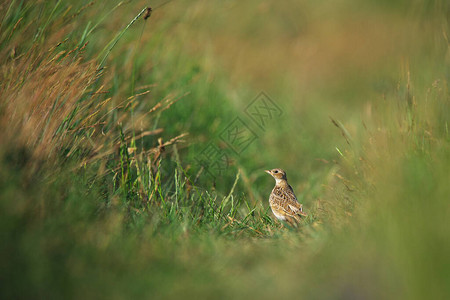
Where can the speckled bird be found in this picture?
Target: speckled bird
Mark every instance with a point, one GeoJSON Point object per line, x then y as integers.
{"type": "Point", "coordinates": [282, 200]}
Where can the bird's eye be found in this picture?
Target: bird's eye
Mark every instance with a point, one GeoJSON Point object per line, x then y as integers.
{"type": "Point", "coordinates": [276, 171]}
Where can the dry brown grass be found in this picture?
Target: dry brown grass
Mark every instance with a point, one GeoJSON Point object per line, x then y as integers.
{"type": "Point", "coordinates": [38, 98]}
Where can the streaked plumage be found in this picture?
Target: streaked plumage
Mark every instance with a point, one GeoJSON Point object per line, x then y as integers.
{"type": "Point", "coordinates": [282, 200]}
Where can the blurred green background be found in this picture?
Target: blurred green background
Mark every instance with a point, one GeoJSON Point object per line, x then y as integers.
{"type": "Point", "coordinates": [100, 197]}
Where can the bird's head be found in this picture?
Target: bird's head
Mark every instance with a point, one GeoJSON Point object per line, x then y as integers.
{"type": "Point", "coordinates": [278, 174]}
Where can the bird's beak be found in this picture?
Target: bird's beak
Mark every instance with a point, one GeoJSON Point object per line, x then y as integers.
{"type": "Point", "coordinates": [268, 172]}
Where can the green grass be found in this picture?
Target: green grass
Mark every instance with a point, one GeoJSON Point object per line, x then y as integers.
{"type": "Point", "coordinates": [104, 116]}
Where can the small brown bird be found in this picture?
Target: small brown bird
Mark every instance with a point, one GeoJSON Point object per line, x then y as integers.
{"type": "Point", "coordinates": [283, 202]}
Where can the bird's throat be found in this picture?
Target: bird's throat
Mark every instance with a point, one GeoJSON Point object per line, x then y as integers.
{"type": "Point", "coordinates": [281, 182]}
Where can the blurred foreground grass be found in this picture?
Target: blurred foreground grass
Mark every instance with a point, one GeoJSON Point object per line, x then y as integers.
{"type": "Point", "coordinates": [101, 193]}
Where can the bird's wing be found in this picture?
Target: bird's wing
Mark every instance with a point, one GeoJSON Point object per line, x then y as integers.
{"type": "Point", "coordinates": [284, 198]}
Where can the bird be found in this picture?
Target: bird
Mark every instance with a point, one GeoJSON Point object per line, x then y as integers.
{"type": "Point", "coordinates": [282, 200]}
